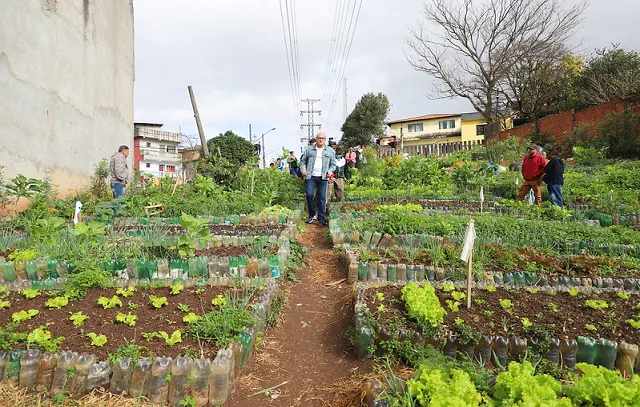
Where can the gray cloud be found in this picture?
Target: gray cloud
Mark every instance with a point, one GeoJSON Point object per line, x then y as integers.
{"type": "Point", "coordinates": [232, 52]}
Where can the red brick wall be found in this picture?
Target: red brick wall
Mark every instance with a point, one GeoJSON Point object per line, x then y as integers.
{"type": "Point", "coordinates": [564, 124]}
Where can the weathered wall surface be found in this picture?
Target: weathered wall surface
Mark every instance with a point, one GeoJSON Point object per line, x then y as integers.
{"type": "Point", "coordinates": [66, 86]}
{"type": "Point", "coordinates": [564, 124]}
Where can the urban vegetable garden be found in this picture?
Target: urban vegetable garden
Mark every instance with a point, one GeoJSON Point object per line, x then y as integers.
{"type": "Point", "coordinates": [187, 294]}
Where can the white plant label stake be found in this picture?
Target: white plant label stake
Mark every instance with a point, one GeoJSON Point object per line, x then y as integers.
{"type": "Point", "coordinates": [481, 198]}
{"type": "Point", "coordinates": [76, 216]}
{"type": "Point", "coordinates": [467, 256]}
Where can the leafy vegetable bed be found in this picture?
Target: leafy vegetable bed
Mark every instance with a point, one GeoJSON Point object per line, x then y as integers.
{"type": "Point", "coordinates": [610, 315]}
{"type": "Point", "coordinates": [168, 321]}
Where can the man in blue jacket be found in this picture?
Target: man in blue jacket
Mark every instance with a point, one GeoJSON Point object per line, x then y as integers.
{"type": "Point", "coordinates": [316, 164]}
{"type": "Point", "coordinates": [554, 176]}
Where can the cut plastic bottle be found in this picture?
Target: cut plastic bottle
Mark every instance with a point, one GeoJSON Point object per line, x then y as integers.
{"type": "Point", "coordinates": [158, 384]}
{"type": "Point", "coordinates": [179, 386]}
{"type": "Point", "coordinates": [29, 364]}
{"type": "Point", "coordinates": [121, 379]}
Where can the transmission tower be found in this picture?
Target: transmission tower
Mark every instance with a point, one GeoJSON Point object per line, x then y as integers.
{"type": "Point", "coordinates": [311, 124]}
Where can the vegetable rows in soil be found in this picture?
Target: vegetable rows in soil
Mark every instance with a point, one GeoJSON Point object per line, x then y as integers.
{"type": "Point", "coordinates": [168, 318]}
{"type": "Point", "coordinates": [216, 229]}
{"type": "Point", "coordinates": [489, 317]}
{"type": "Point", "coordinates": [373, 206]}
{"type": "Point", "coordinates": [580, 265]}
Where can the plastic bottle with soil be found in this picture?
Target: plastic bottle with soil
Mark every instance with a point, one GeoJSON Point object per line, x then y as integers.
{"type": "Point", "coordinates": [401, 273]}
{"type": "Point", "coordinates": [98, 377]}
{"type": "Point", "coordinates": [586, 350]}
{"type": "Point", "coordinates": [66, 361]}
{"type": "Point", "coordinates": [200, 374]}
{"type": "Point", "coordinates": [79, 380]}
{"type": "Point", "coordinates": [140, 377]}
{"type": "Point", "coordinates": [355, 237]}
{"type": "Point", "coordinates": [274, 267]}
{"type": "Point", "coordinates": [158, 388]}
{"type": "Point", "coordinates": [263, 268]}
{"type": "Point", "coordinates": [420, 272]}
{"type": "Point", "coordinates": [430, 273]}
{"type": "Point", "coordinates": [32, 270]}
{"type": "Point", "coordinates": [483, 349]}
{"type": "Point", "coordinates": [219, 382]}
{"type": "Point", "coordinates": [46, 369]}
{"type": "Point", "coordinates": [626, 360]}
{"type": "Point", "coordinates": [12, 367]}
{"type": "Point", "coordinates": [553, 354]}
{"type": "Point", "coordinates": [179, 386]}
{"type": "Point", "coordinates": [606, 352]}
{"type": "Point", "coordinates": [29, 364]}
{"type": "Point", "coordinates": [9, 272]}
{"type": "Point", "coordinates": [3, 363]}
{"type": "Point", "coordinates": [228, 354]}
{"type": "Point", "coordinates": [163, 268]}
{"type": "Point", "coordinates": [236, 349]}
{"type": "Point", "coordinates": [364, 339]}
{"type": "Point", "coordinates": [372, 274]}
{"type": "Point", "coordinates": [392, 273]}
{"type": "Point", "coordinates": [382, 272]}
{"type": "Point", "coordinates": [121, 379]}
{"type": "Point", "coordinates": [568, 350]}
{"type": "Point", "coordinates": [233, 266]}
{"type": "Point", "coordinates": [517, 346]}
{"type": "Point", "coordinates": [363, 271]}
{"type": "Point", "coordinates": [352, 274]}
{"type": "Point", "coordinates": [152, 268]}
{"type": "Point", "coordinates": [411, 273]}
{"type": "Point", "coordinates": [501, 350]}
{"type": "Point", "coordinates": [451, 346]}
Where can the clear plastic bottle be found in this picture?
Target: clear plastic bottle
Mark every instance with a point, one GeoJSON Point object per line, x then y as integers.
{"type": "Point", "coordinates": [401, 272]}
{"type": "Point", "coordinates": [29, 364]}
{"type": "Point", "coordinates": [158, 385]}
{"type": "Point", "coordinates": [223, 266]}
{"type": "Point", "coordinates": [219, 384]}
{"type": "Point", "coordinates": [9, 272]}
{"type": "Point", "coordinates": [140, 379]}
{"type": "Point", "coordinates": [352, 275]}
{"type": "Point", "coordinates": [193, 267]}
{"type": "Point", "coordinates": [79, 380]}
{"type": "Point", "coordinates": [121, 379]}
{"type": "Point", "coordinates": [263, 268]}
{"type": "Point", "coordinates": [236, 348]}
{"type": "Point", "coordinates": [3, 363]}
{"type": "Point", "coordinates": [252, 267]}
{"type": "Point", "coordinates": [203, 266]}
{"type": "Point", "coordinates": [163, 268]}
{"type": "Point", "coordinates": [200, 373]}
{"type": "Point", "coordinates": [179, 386]}
{"type": "Point", "coordinates": [66, 361]}
{"type": "Point", "coordinates": [98, 377]}
{"type": "Point", "coordinates": [382, 272]}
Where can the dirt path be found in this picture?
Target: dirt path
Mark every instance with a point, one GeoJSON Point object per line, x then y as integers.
{"type": "Point", "coordinates": [307, 349]}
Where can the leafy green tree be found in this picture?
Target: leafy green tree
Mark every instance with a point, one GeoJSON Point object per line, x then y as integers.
{"type": "Point", "coordinates": [366, 121]}
{"type": "Point", "coordinates": [610, 74]}
{"type": "Point", "coordinates": [233, 148]}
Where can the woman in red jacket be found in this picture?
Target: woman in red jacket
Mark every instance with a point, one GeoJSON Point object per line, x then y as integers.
{"type": "Point", "coordinates": [532, 172]}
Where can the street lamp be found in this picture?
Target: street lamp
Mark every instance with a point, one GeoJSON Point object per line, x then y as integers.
{"type": "Point", "coordinates": [264, 161]}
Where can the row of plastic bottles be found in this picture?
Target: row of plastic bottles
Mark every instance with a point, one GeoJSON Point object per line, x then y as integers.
{"type": "Point", "coordinates": [195, 267]}
{"type": "Point", "coordinates": [361, 271]}
{"type": "Point", "coordinates": [160, 380]}
{"type": "Point", "coordinates": [214, 220]}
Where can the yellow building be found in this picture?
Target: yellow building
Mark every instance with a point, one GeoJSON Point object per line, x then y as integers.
{"type": "Point", "coordinates": [440, 134]}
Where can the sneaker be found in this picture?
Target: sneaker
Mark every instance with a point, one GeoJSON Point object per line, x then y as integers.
{"type": "Point", "coordinates": [322, 222]}
{"type": "Point", "coordinates": [310, 219]}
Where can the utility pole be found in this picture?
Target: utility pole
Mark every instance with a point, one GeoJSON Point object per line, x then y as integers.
{"type": "Point", "coordinates": [344, 98]}
{"type": "Point", "coordinates": [250, 136]}
{"type": "Point", "coordinates": [203, 139]}
{"type": "Point", "coordinates": [401, 141]}
{"type": "Point", "coordinates": [311, 124]}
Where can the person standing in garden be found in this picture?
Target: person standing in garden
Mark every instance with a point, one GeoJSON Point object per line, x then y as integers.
{"type": "Point", "coordinates": [532, 172]}
{"type": "Point", "coordinates": [316, 165]}
{"type": "Point", "coordinates": [119, 171]}
{"type": "Point", "coordinates": [294, 164]}
{"type": "Point", "coordinates": [350, 158]}
{"type": "Point", "coordinates": [280, 164]}
{"type": "Point", "coordinates": [336, 184]}
{"type": "Point", "coordinates": [554, 176]}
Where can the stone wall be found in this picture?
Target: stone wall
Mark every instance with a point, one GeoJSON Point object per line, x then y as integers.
{"type": "Point", "coordinates": [66, 86]}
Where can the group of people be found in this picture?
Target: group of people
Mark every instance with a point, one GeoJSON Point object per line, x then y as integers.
{"type": "Point", "coordinates": [536, 170]}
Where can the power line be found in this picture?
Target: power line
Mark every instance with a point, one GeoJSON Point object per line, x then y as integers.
{"type": "Point", "coordinates": [289, 67]}
{"type": "Point", "coordinates": [344, 65]}
{"type": "Point", "coordinates": [333, 47]}
{"type": "Point", "coordinates": [337, 55]}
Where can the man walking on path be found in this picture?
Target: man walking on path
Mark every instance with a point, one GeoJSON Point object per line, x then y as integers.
{"type": "Point", "coordinates": [316, 164]}
{"type": "Point", "coordinates": [119, 171]}
{"type": "Point", "coordinates": [554, 176]}
{"type": "Point", "coordinates": [532, 172]}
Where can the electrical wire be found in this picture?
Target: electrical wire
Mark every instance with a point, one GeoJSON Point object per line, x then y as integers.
{"type": "Point", "coordinates": [291, 75]}
{"type": "Point", "coordinates": [344, 64]}
{"type": "Point", "coordinates": [332, 49]}
{"type": "Point", "coordinates": [337, 55]}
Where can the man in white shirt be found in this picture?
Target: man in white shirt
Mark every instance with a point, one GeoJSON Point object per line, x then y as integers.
{"type": "Point", "coordinates": [316, 165]}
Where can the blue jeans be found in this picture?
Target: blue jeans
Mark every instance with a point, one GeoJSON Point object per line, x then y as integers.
{"type": "Point", "coordinates": [294, 171]}
{"type": "Point", "coordinates": [118, 192]}
{"type": "Point", "coordinates": [555, 194]}
{"type": "Point", "coordinates": [317, 188]}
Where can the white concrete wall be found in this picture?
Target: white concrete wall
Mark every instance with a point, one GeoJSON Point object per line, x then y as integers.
{"type": "Point", "coordinates": [66, 86]}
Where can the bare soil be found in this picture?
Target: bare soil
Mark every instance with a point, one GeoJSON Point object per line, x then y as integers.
{"type": "Point", "coordinates": [488, 316]}
{"type": "Point", "coordinates": [102, 321]}
{"type": "Point", "coordinates": [307, 351]}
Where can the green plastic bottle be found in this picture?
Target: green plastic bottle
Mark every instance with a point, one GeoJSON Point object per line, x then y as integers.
{"type": "Point", "coordinates": [203, 266]}
{"type": "Point", "coordinates": [32, 271]}
{"type": "Point", "coordinates": [193, 267]}
{"type": "Point", "coordinates": [12, 367]}
{"type": "Point", "coordinates": [274, 267]}
{"type": "Point", "coordinates": [233, 266]}
{"type": "Point", "coordinates": [53, 272]}
{"type": "Point", "coordinates": [142, 270]}
{"type": "Point", "coordinates": [586, 350]}
{"type": "Point", "coordinates": [152, 268]}
{"type": "Point", "coordinates": [606, 353]}
{"type": "Point", "coordinates": [9, 272]}
{"type": "Point", "coordinates": [392, 273]}
{"type": "Point", "coordinates": [363, 270]}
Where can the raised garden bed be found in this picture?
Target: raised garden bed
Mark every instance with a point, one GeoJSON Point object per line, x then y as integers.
{"type": "Point", "coordinates": [565, 327]}
{"type": "Point", "coordinates": [202, 322]}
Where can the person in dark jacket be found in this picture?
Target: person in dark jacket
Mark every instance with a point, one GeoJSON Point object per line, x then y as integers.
{"type": "Point", "coordinates": [532, 172]}
{"type": "Point", "coordinates": [554, 176]}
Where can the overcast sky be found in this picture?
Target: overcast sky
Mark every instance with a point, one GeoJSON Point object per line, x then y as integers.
{"type": "Point", "coordinates": [233, 53]}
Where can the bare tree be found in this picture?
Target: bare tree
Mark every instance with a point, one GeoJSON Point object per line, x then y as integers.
{"type": "Point", "coordinates": [469, 46]}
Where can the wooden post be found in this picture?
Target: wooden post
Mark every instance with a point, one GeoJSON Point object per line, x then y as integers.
{"type": "Point", "coordinates": [203, 139]}
{"type": "Point", "coordinates": [469, 279]}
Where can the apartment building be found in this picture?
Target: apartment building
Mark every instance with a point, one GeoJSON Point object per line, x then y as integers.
{"type": "Point", "coordinates": [155, 151]}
